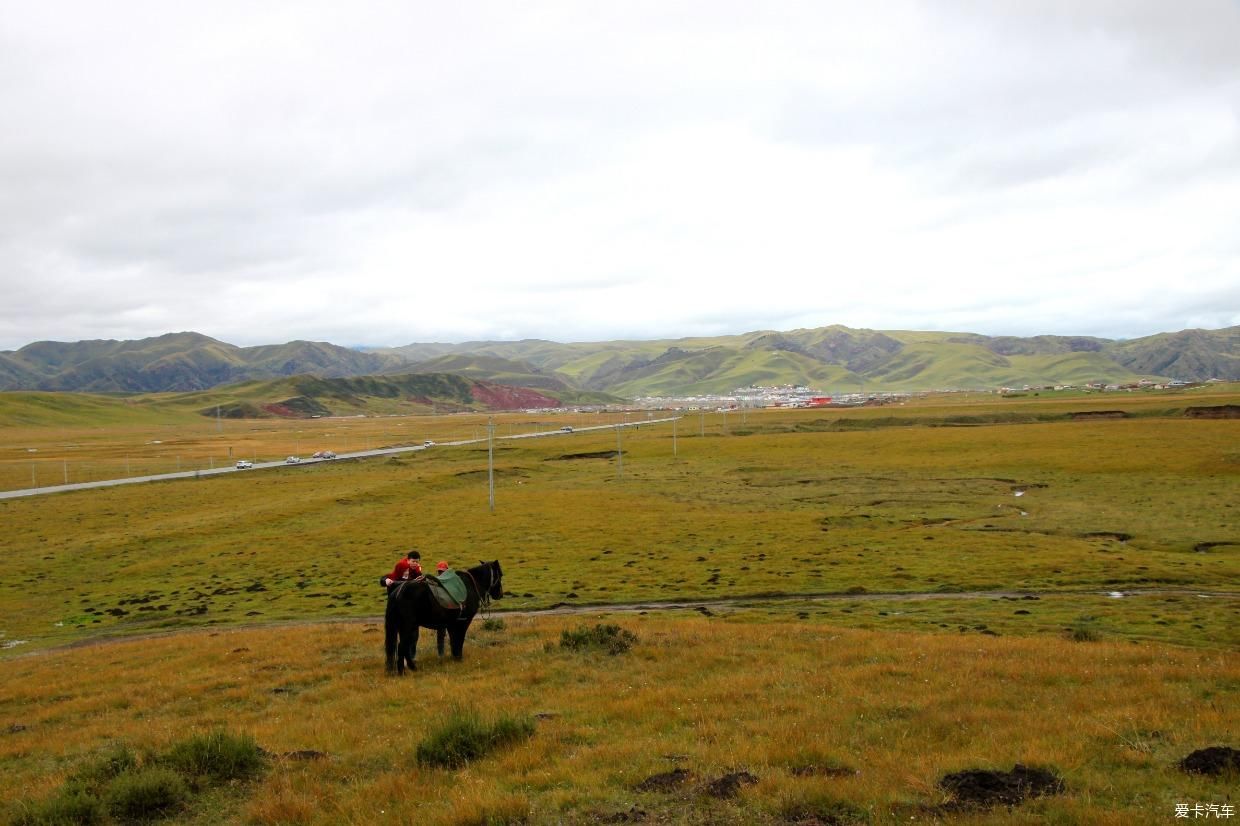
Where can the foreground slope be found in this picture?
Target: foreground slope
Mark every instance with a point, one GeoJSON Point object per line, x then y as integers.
{"type": "Point", "coordinates": [814, 723]}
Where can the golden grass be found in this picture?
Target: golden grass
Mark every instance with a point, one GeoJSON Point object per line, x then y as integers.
{"type": "Point", "coordinates": [780, 502]}
{"type": "Point", "coordinates": [892, 509]}
{"type": "Point", "coordinates": [712, 696]}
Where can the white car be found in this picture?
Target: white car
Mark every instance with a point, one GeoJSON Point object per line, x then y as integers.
{"type": "Point", "coordinates": [428, 443]}
{"type": "Point", "coordinates": [568, 428]}
{"type": "Point", "coordinates": [293, 460]}
{"type": "Point", "coordinates": [243, 464]}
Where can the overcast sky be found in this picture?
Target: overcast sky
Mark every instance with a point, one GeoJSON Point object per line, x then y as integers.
{"type": "Point", "coordinates": [383, 173]}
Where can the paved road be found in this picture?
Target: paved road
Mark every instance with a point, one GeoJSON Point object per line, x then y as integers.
{"type": "Point", "coordinates": [361, 454]}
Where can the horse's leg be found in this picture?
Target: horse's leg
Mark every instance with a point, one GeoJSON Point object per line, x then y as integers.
{"type": "Point", "coordinates": [457, 633]}
{"type": "Point", "coordinates": [439, 632]}
{"type": "Point", "coordinates": [411, 650]}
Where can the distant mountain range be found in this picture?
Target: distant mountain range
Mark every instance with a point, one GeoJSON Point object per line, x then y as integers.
{"type": "Point", "coordinates": [835, 359]}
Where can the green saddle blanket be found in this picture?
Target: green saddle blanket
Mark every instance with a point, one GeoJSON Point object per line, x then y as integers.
{"type": "Point", "coordinates": [450, 585]}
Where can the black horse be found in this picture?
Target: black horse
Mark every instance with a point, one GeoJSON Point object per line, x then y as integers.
{"type": "Point", "coordinates": [412, 605]}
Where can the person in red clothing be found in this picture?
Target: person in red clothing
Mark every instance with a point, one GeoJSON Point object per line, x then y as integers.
{"type": "Point", "coordinates": [406, 568]}
{"type": "Point", "coordinates": [441, 567]}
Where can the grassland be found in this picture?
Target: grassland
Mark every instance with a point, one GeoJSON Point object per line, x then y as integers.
{"type": "Point", "coordinates": [835, 724]}
{"type": "Point", "coordinates": [755, 513]}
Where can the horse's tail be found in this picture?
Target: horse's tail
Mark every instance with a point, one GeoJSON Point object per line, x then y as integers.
{"type": "Point", "coordinates": [391, 628]}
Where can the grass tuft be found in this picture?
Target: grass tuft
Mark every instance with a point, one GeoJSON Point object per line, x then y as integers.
{"type": "Point", "coordinates": [218, 756]}
{"type": "Point", "coordinates": [73, 805]}
{"type": "Point", "coordinates": [96, 774]}
{"type": "Point", "coordinates": [610, 638]}
{"type": "Point", "coordinates": [465, 737]}
{"type": "Point", "coordinates": [1083, 632]}
{"type": "Point", "coordinates": [146, 794]}
{"type": "Point", "coordinates": [816, 808]}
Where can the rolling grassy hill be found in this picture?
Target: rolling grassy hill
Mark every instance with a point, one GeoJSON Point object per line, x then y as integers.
{"type": "Point", "coordinates": [835, 359]}
{"type": "Point", "coordinates": [173, 362]}
{"type": "Point", "coordinates": [842, 359]}
{"type": "Point", "coordinates": [294, 397]}
{"type": "Point", "coordinates": [305, 395]}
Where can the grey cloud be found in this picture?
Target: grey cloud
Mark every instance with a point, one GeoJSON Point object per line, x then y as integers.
{"type": "Point", "coordinates": [162, 163]}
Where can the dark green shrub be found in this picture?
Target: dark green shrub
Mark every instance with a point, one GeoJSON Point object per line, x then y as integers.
{"type": "Point", "coordinates": [465, 737]}
{"type": "Point", "coordinates": [217, 756]}
{"type": "Point", "coordinates": [146, 794]}
{"type": "Point", "coordinates": [610, 638]}
{"type": "Point", "coordinates": [95, 774]}
{"type": "Point", "coordinates": [493, 624]}
{"type": "Point", "coordinates": [72, 806]}
{"type": "Point", "coordinates": [1083, 633]}
{"type": "Point", "coordinates": [1084, 629]}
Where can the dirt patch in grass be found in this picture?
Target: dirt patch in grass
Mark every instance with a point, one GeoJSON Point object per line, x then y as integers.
{"type": "Point", "coordinates": [304, 754]}
{"type": "Point", "coordinates": [1222, 411]}
{"type": "Point", "coordinates": [729, 785]}
{"type": "Point", "coordinates": [665, 781]}
{"type": "Point", "coordinates": [498, 472]}
{"type": "Point", "coordinates": [984, 787]}
{"type": "Point", "coordinates": [597, 454]}
{"type": "Point", "coordinates": [1086, 415]}
{"type": "Point", "coordinates": [823, 771]}
{"type": "Point", "coordinates": [1117, 536]}
{"type": "Point", "coordinates": [1203, 547]}
{"type": "Point", "coordinates": [632, 815]}
{"type": "Point", "coordinates": [1214, 761]}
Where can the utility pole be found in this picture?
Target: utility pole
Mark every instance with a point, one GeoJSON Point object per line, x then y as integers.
{"type": "Point", "coordinates": [491, 462]}
{"type": "Point", "coordinates": [702, 423]}
{"type": "Point", "coordinates": [66, 471]}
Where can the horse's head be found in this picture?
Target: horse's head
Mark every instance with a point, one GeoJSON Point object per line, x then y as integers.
{"type": "Point", "coordinates": [497, 580]}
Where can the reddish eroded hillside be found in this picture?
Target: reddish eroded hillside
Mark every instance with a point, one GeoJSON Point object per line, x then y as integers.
{"type": "Point", "coordinates": [282, 410]}
{"type": "Point", "coordinates": [502, 397]}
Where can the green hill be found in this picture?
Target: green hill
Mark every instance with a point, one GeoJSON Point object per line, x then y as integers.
{"type": "Point", "coordinates": [304, 396]}
{"type": "Point", "coordinates": [835, 359]}
{"type": "Point", "coordinates": [173, 362]}
{"type": "Point", "coordinates": [840, 359]}
{"type": "Point", "coordinates": [293, 397]}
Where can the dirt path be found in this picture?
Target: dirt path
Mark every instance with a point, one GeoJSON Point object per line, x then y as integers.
{"type": "Point", "coordinates": [724, 603]}
{"type": "Point", "coordinates": [900, 596]}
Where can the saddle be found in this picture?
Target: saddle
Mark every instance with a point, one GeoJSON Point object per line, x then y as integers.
{"type": "Point", "coordinates": [448, 589]}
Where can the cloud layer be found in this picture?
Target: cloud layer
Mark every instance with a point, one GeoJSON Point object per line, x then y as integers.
{"type": "Point", "coordinates": [382, 173]}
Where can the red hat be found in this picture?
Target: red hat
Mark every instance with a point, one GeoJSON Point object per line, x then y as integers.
{"type": "Point", "coordinates": [442, 566]}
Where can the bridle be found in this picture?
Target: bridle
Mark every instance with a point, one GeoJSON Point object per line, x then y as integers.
{"type": "Point", "coordinates": [484, 596]}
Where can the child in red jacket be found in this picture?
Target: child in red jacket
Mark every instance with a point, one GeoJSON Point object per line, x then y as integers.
{"type": "Point", "coordinates": [407, 568]}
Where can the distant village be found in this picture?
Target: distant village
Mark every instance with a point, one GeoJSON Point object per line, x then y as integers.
{"type": "Point", "coordinates": [1102, 387]}
{"type": "Point", "coordinates": [760, 396]}
{"type": "Point", "coordinates": [801, 396]}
